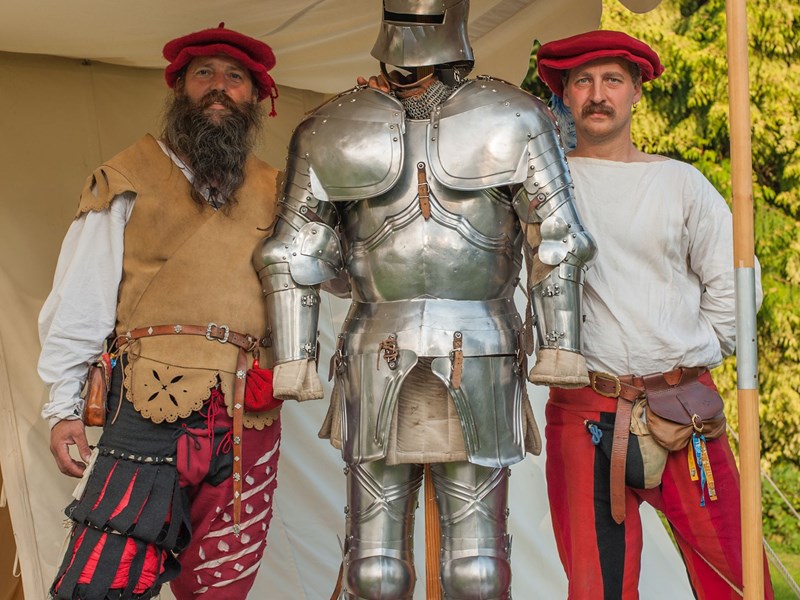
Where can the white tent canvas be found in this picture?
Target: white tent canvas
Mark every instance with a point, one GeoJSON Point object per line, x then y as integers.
{"type": "Point", "coordinates": [81, 81]}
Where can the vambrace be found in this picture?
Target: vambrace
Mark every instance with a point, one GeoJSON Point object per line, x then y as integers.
{"type": "Point", "coordinates": [302, 252]}
{"type": "Point", "coordinates": [565, 250]}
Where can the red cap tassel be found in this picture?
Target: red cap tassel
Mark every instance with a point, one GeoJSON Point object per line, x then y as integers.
{"type": "Point", "coordinates": [273, 94]}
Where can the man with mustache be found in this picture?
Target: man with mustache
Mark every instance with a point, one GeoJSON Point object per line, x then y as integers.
{"type": "Point", "coordinates": [659, 309]}
{"type": "Point", "coordinates": [157, 265]}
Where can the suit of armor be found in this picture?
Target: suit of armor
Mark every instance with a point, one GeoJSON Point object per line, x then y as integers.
{"type": "Point", "coordinates": [425, 218]}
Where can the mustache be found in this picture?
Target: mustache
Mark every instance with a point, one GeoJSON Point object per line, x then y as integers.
{"type": "Point", "coordinates": [217, 97]}
{"type": "Point", "coordinates": [597, 108]}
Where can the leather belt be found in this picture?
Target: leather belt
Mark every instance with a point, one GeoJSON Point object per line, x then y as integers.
{"type": "Point", "coordinates": [627, 389]}
{"type": "Point", "coordinates": [212, 332]}
{"type": "Point", "coordinates": [223, 335]}
{"type": "Point", "coordinates": [629, 386]}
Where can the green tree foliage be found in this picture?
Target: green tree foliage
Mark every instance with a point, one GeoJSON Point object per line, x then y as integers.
{"type": "Point", "coordinates": [684, 115]}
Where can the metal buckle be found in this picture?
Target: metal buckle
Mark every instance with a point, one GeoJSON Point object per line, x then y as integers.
{"type": "Point", "coordinates": [609, 377]}
{"type": "Point", "coordinates": [222, 339]}
{"type": "Point", "coordinates": [252, 343]}
{"type": "Point", "coordinates": [695, 420]}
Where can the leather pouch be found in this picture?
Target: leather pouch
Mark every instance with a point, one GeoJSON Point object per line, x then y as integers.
{"type": "Point", "coordinates": [98, 382]}
{"type": "Point", "coordinates": [676, 411]}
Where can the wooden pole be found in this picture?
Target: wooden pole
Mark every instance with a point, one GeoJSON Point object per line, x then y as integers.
{"type": "Point", "coordinates": [743, 252]}
{"type": "Point", "coordinates": [433, 589]}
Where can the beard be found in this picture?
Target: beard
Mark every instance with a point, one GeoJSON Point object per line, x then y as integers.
{"type": "Point", "coordinates": [216, 148]}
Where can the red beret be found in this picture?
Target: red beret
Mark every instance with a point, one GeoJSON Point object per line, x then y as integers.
{"type": "Point", "coordinates": [562, 55]}
{"type": "Point", "coordinates": [253, 54]}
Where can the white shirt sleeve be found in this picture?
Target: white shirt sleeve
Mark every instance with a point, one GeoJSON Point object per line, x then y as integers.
{"type": "Point", "coordinates": [80, 312]}
{"type": "Point", "coordinates": [711, 257]}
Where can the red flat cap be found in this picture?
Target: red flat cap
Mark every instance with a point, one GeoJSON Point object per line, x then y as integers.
{"type": "Point", "coordinates": [562, 55]}
{"type": "Point", "coordinates": [253, 54]}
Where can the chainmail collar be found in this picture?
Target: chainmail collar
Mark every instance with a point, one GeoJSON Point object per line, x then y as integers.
{"type": "Point", "coordinates": [419, 107]}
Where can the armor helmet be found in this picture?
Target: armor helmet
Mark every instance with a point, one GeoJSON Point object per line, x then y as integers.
{"type": "Point", "coordinates": [420, 33]}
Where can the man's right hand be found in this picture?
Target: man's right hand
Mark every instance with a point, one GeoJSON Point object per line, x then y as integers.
{"type": "Point", "coordinates": [376, 82]}
{"type": "Point", "coordinates": [66, 433]}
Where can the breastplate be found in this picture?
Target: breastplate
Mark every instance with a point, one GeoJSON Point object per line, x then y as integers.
{"type": "Point", "coordinates": [468, 249]}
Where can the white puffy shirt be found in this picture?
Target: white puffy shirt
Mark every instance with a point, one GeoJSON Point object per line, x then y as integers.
{"type": "Point", "coordinates": [660, 293]}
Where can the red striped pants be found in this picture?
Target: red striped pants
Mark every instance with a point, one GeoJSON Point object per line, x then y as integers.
{"type": "Point", "coordinates": [603, 559]}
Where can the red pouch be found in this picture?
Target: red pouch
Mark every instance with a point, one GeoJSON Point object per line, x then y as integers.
{"type": "Point", "coordinates": [193, 456]}
{"type": "Point", "coordinates": [258, 391]}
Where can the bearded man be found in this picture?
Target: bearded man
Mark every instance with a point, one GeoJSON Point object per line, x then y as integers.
{"type": "Point", "coordinates": [156, 267]}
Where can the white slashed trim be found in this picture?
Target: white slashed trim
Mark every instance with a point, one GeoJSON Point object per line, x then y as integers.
{"type": "Point", "coordinates": [244, 525]}
{"type": "Point", "coordinates": [242, 575]}
{"type": "Point", "coordinates": [269, 454]}
{"type": "Point", "coordinates": [252, 491]}
{"type": "Point", "coordinates": [228, 558]}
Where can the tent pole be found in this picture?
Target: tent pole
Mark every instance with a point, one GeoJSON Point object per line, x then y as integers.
{"type": "Point", "coordinates": [743, 252]}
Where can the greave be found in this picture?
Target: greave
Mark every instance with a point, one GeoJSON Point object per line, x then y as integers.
{"type": "Point", "coordinates": [476, 549]}
{"type": "Point", "coordinates": [378, 552]}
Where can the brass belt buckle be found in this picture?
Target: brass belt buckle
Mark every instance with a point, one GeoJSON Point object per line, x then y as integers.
{"type": "Point", "coordinates": [609, 377]}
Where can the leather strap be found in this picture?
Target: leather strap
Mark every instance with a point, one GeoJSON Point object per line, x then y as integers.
{"type": "Point", "coordinates": [212, 332]}
{"type": "Point", "coordinates": [619, 457]}
{"type": "Point", "coordinates": [422, 190]}
{"type": "Point", "coordinates": [626, 391]}
{"type": "Point", "coordinates": [457, 357]}
{"type": "Point", "coordinates": [238, 420]}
